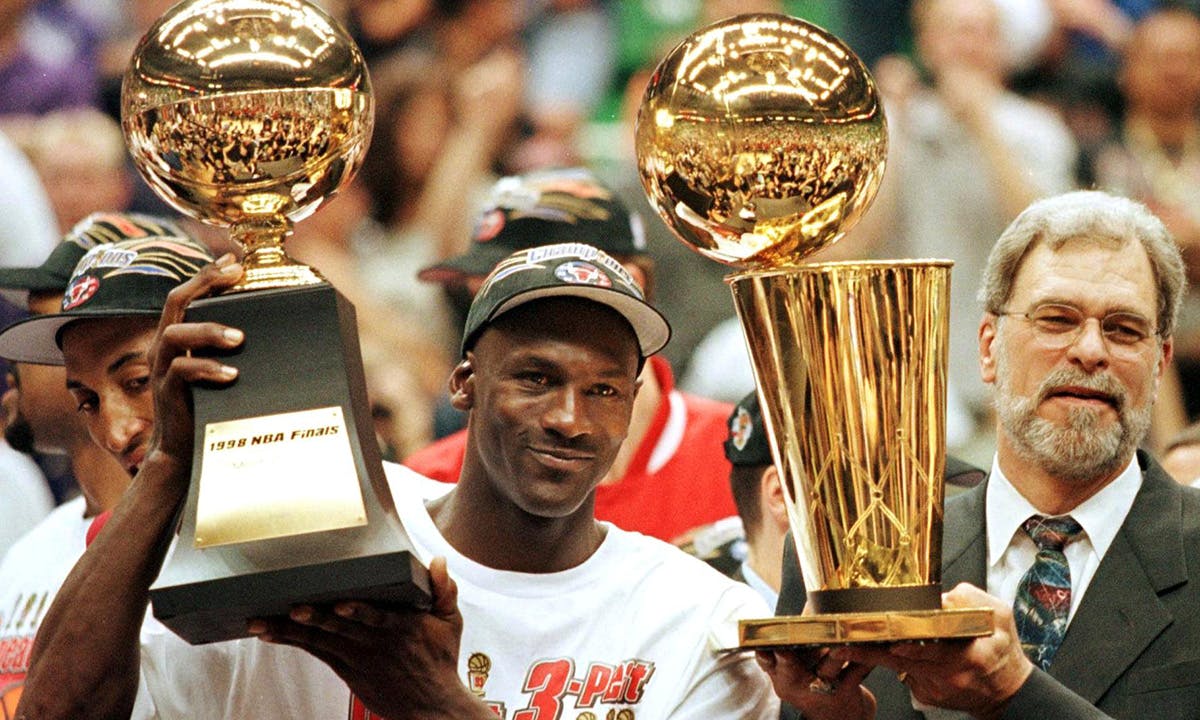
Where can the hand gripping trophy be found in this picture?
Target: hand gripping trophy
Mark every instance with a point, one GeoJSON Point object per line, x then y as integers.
{"type": "Point", "coordinates": [250, 114]}
{"type": "Point", "coordinates": [760, 140]}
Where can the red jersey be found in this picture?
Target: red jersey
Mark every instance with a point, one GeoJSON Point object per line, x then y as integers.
{"type": "Point", "coordinates": [677, 480]}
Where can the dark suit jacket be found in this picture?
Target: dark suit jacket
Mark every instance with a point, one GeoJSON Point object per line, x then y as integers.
{"type": "Point", "coordinates": [1133, 647]}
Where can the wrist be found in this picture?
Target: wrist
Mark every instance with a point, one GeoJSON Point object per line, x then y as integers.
{"type": "Point", "coordinates": [164, 474]}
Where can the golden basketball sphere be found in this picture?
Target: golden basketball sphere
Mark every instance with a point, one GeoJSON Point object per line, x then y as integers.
{"type": "Point", "coordinates": [239, 110]}
{"type": "Point", "coordinates": [760, 140]}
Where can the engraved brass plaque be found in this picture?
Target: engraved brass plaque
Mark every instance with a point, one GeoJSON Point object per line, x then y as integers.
{"type": "Point", "coordinates": [275, 476]}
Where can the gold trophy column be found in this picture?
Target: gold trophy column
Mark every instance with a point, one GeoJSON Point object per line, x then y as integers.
{"type": "Point", "coordinates": [761, 140]}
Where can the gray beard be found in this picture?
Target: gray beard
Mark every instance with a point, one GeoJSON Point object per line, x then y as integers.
{"type": "Point", "coordinates": [1082, 449]}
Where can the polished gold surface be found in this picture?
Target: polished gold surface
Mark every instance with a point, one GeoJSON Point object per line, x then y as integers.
{"type": "Point", "coordinates": [248, 113]}
{"type": "Point", "coordinates": [847, 628]}
{"type": "Point", "coordinates": [277, 476]}
{"type": "Point", "coordinates": [850, 361]}
{"type": "Point", "coordinates": [760, 140]}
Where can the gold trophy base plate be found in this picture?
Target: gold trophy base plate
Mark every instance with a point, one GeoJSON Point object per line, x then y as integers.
{"type": "Point", "coordinates": [872, 627]}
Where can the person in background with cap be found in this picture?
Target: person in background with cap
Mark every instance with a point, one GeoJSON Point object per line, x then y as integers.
{"type": "Point", "coordinates": [758, 492]}
{"type": "Point", "coordinates": [34, 569]}
{"type": "Point", "coordinates": [559, 612]}
{"type": "Point", "coordinates": [669, 476]}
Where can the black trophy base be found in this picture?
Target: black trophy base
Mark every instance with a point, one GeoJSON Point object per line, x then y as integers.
{"type": "Point", "coordinates": [295, 544]}
{"type": "Point", "coordinates": [877, 599]}
{"type": "Point", "coordinates": [215, 610]}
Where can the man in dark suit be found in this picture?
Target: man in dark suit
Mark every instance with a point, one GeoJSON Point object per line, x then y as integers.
{"type": "Point", "coordinates": [1085, 546]}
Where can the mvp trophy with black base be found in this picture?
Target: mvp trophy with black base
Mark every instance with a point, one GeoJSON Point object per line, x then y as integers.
{"type": "Point", "coordinates": [250, 114]}
{"type": "Point", "coordinates": [760, 140]}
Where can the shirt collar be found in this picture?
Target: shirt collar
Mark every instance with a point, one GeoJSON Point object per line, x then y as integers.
{"type": "Point", "coordinates": [1101, 515]}
{"type": "Point", "coordinates": [755, 581]}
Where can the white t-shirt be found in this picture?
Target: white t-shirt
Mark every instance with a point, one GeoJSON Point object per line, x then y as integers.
{"type": "Point", "coordinates": [635, 628]}
{"type": "Point", "coordinates": [30, 575]}
{"type": "Point", "coordinates": [638, 620]}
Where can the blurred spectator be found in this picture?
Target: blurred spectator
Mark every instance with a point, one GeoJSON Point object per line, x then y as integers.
{"type": "Point", "coordinates": [47, 58]}
{"type": "Point", "coordinates": [80, 156]}
{"type": "Point", "coordinates": [29, 231]}
{"type": "Point", "coordinates": [1181, 458]}
{"type": "Point", "coordinates": [572, 59]}
{"type": "Point", "coordinates": [405, 366]}
{"type": "Point", "coordinates": [1157, 157]}
{"type": "Point", "coordinates": [383, 27]}
{"type": "Point", "coordinates": [759, 495]}
{"type": "Point", "coordinates": [966, 155]}
{"type": "Point", "coordinates": [123, 34]}
{"type": "Point", "coordinates": [437, 141]}
{"type": "Point", "coordinates": [25, 497]}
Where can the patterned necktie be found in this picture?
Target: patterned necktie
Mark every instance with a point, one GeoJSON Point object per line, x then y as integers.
{"type": "Point", "coordinates": [1044, 595]}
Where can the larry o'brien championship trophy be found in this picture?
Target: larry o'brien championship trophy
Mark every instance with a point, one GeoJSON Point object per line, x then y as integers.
{"type": "Point", "coordinates": [250, 114]}
{"type": "Point", "coordinates": [760, 140]}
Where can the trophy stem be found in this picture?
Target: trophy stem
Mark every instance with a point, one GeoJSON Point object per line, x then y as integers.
{"type": "Point", "coordinates": [267, 265]}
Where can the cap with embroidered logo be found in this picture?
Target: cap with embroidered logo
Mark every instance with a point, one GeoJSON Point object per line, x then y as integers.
{"type": "Point", "coordinates": [747, 443]}
{"type": "Point", "coordinates": [565, 270]}
{"type": "Point", "coordinates": [545, 207]}
{"type": "Point", "coordinates": [122, 279]}
{"type": "Point", "coordinates": [103, 227]}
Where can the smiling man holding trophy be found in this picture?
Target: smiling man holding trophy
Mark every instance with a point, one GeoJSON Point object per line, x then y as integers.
{"type": "Point", "coordinates": [760, 133]}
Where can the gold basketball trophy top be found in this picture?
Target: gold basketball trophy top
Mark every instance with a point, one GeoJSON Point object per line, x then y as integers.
{"type": "Point", "coordinates": [761, 139]}
{"type": "Point", "coordinates": [248, 115]}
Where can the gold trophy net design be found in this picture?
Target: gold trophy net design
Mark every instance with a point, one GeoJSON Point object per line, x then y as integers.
{"type": "Point", "coordinates": [760, 140]}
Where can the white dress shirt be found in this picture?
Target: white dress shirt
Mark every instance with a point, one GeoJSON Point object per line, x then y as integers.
{"type": "Point", "coordinates": [1011, 551]}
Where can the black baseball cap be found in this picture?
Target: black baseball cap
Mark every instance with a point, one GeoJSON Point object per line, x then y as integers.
{"type": "Point", "coordinates": [545, 207]}
{"type": "Point", "coordinates": [570, 270]}
{"type": "Point", "coordinates": [122, 279]}
{"type": "Point", "coordinates": [103, 227]}
{"type": "Point", "coordinates": [747, 443]}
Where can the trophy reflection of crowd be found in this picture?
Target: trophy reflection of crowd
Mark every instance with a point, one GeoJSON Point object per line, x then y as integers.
{"type": "Point", "coordinates": [991, 104]}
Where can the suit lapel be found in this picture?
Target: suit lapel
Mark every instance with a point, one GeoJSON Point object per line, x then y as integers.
{"type": "Point", "coordinates": [1121, 613]}
{"type": "Point", "coordinates": [964, 540]}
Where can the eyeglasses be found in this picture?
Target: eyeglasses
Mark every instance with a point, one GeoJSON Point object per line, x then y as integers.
{"type": "Point", "coordinates": [1059, 326]}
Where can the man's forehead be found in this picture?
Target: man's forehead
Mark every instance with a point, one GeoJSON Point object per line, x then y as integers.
{"type": "Point", "coordinates": [1087, 270]}
{"type": "Point", "coordinates": [87, 344]}
{"type": "Point", "coordinates": [563, 321]}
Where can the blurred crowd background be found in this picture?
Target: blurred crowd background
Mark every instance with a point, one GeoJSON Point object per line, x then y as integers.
{"type": "Point", "coordinates": [991, 103]}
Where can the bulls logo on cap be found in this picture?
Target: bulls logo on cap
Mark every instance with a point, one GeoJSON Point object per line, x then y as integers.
{"type": "Point", "coordinates": [579, 272]}
{"type": "Point", "coordinates": [81, 289]}
{"type": "Point", "coordinates": [741, 428]}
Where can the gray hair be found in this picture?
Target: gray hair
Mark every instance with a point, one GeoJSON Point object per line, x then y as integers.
{"type": "Point", "coordinates": [1096, 216]}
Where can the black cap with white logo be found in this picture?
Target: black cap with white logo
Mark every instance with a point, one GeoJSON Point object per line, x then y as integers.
{"type": "Point", "coordinates": [122, 279]}
{"type": "Point", "coordinates": [565, 270]}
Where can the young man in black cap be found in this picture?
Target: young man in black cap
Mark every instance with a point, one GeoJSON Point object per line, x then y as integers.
{"type": "Point", "coordinates": [670, 475]}
{"type": "Point", "coordinates": [36, 566]}
{"type": "Point", "coordinates": [561, 615]}
{"type": "Point", "coordinates": [759, 496]}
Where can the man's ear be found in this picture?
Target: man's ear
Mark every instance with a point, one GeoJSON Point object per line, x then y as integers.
{"type": "Point", "coordinates": [987, 348]}
{"type": "Point", "coordinates": [774, 505]}
{"type": "Point", "coordinates": [462, 383]}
